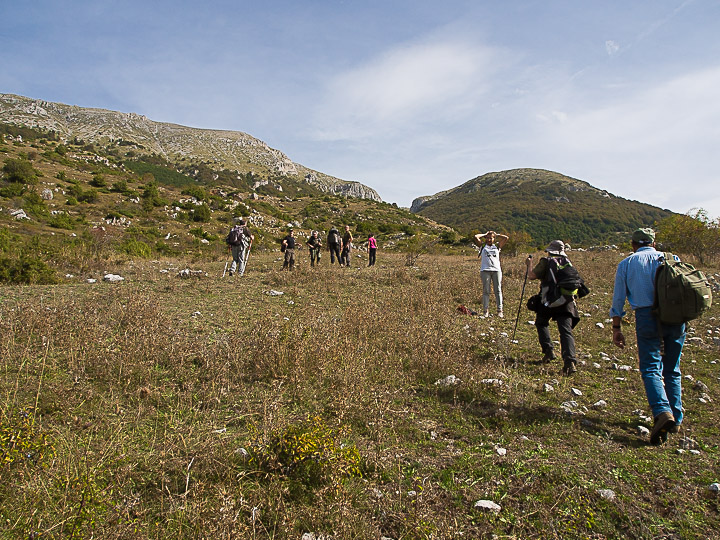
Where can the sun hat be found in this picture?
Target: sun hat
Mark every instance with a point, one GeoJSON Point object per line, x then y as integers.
{"type": "Point", "coordinates": [556, 247]}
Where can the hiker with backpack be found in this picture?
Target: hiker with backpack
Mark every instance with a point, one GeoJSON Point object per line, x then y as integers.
{"type": "Point", "coordinates": [333, 242]}
{"type": "Point", "coordinates": [314, 246]}
{"type": "Point", "coordinates": [239, 240]}
{"type": "Point", "coordinates": [659, 344]}
{"type": "Point", "coordinates": [559, 284]}
{"type": "Point", "coordinates": [490, 271]}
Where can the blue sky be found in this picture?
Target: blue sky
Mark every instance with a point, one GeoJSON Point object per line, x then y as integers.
{"type": "Point", "coordinates": [408, 97]}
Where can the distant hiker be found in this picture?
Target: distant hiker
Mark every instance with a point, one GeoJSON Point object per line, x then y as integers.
{"type": "Point", "coordinates": [334, 241]}
{"type": "Point", "coordinates": [561, 308]}
{"type": "Point", "coordinates": [239, 240]}
{"type": "Point", "coordinates": [346, 246]}
{"type": "Point", "coordinates": [490, 271]}
{"type": "Point", "coordinates": [314, 246]}
{"type": "Point", "coordinates": [659, 345]}
{"type": "Point", "coordinates": [288, 246]}
{"type": "Point", "coordinates": [372, 249]}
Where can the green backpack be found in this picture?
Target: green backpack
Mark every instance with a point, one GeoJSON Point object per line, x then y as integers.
{"type": "Point", "coordinates": [682, 293]}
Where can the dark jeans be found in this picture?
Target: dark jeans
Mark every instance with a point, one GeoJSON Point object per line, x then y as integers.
{"type": "Point", "coordinates": [314, 256]}
{"type": "Point", "coordinates": [334, 253]}
{"type": "Point", "coordinates": [567, 340]}
{"type": "Point", "coordinates": [371, 256]}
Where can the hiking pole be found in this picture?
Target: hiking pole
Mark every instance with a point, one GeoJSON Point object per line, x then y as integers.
{"type": "Point", "coordinates": [226, 262]}
{"type": "Point", "coordinates": [247, 255]}
{"type": "Point", "coordinates": [522, 293]}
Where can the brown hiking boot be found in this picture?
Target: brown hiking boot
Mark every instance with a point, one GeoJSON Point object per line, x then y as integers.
{"type": "Point", "coordinates": [569, 367]}
{"type": "Point", "coordinates": [663, 423]}
{"type": "Point", "coordinates": [549, 356]}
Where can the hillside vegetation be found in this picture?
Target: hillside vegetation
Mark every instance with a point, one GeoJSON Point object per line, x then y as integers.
{"type": "Point", "coordinates": [76, 208]}
{"type": "Point", "coordinates": [544, 204]}
{"type": "Point", "coordinates": [283, 404]}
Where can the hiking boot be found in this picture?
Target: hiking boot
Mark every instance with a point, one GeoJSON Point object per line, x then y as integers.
{"type": "Point", "coordinates": [549, 356]}
{"type": "Point", "coordinates": [500, 314]}
{"type": "Point", "coordinates": [663, 423]}
{"type": "Point", "coordinates": [674, 429]}
{"type": "Point", "coordinates": [487, 314]}
{"type": "Point", "coordinates": [569, 367]}
{"type": "Point", "coordinates": [231, 273]}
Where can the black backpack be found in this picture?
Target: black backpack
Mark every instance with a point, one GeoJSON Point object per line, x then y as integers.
{"type": "Point", "coordinates": [235, 235]}
{"type": "Point", "coordinates": [561, 284]}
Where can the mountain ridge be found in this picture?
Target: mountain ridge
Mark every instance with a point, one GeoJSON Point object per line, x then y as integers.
{"type": "Point", "coordinates": [545, 204]}
{"type": "Point", "coordinates": [229, 149]}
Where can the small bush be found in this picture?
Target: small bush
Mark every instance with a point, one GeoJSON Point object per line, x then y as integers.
{"type": "Point", "coordinates": [310, 452]}
{"type": "Point", "coordinates": [135, 248]}
{"type": "Point", "coordinates": [26, 270]}
{"type": "Point", "coordinates": [62, 221]}
{"type": "Point", "coordinates": [20, 170]}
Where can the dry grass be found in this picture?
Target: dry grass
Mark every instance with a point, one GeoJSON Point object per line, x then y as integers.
{"type": "Point", "coordinates": [165, 408]}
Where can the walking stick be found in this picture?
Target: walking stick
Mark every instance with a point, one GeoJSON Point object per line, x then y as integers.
{"type": "Point", "coordinates": [247, 255]}
{"type": "Point", "coordinates": [226, 262]}
{"type": "Point", "coordinates": [527, 271]}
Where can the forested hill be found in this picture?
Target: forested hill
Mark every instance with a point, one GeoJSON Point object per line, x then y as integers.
{"type": "Point", "coordinates": [544, 204]}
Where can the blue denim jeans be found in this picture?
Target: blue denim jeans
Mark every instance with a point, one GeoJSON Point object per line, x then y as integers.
{"type": "Point", "coordinates": [659, 349]}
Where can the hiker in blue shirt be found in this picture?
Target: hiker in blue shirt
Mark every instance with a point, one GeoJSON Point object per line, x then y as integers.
{"type": "Point", "coordinates": [659, 345]}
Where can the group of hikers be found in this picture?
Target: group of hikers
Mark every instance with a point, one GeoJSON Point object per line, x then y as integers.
{"type": "Point", "coordinates": [240, 239]}
{"type": "Point", "coordinates": [659, 343]}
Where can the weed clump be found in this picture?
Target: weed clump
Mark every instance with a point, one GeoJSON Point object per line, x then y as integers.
{"type": "Point", "coordinates": [310, 452]}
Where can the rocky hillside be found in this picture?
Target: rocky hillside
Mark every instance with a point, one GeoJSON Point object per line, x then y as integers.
{"type": "Point", "coordinates": [231, 150]}
{"type": "Point", "coordinates": [544, 204]}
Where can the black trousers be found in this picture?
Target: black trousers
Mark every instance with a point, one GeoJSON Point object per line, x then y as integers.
{"type": "Point", "coordinates": [565, 327]}
{"type": "Point", "coordinates": [334, 253]}
{"type": "Point", "coordinates": [371, 256]}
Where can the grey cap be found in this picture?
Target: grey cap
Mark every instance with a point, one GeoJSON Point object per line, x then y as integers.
{"type": "Point", "coordinates": [643, 236]}
{"type": "Point", "coordinates": [556, 247]}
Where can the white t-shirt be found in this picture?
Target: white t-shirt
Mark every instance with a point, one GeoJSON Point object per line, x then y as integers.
{"type": "Point", "coordinates": [490, 258]}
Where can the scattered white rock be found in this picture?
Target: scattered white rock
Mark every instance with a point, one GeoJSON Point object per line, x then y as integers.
{"type": "Point", "coordinates": [531, 322]}
{"type": "Point", "coordinates": [599, 404]}
{"type": "Point", "coordinates": [196, 314]}
{"type": "Point", "coordinates": [488, 506]}
{"type": "Point", "coordinates": [494, 382]}
{"type": "Point", "coordinates": [714, 487]}
{"type": "Point", "coordinates": [548, 388]}
{"type": "Point", "coordinates": [412, 494]}
{"type": "Point", "coordinates": [450, 380]}
{"type": "Point", "coordinates": [91, 280]}
{"type": "Point", "coordinates": [570, 404]}
{"type": "Point", "coordinates": [501, 451]}
{"type": "Point", "coordinates": [600, 325]}
{"type": "Point", "coordinates": [679, 451]}
{"type": "Point", "coordinates": [273, 292]}
{"type": "Point", "coordinates": [642, 430]}
{"type": "Point", "coordinates": [608, 494]}
{"type": "Point", "coordinates": [576, 392]}
{"type": "Point", "coordinates": [112, 278]}
{"type": "Point", "coordinates": [695, 452]}
{"type": "Point", "coordinates": [596, 365]}
{"type": "Point", "coordinates": [69, 276]}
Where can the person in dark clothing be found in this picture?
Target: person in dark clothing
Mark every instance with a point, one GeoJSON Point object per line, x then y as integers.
{"type": "Point", "coordinates": [289, 245]}
{"type": "Point", "coordinates": [334, 241]}
{"type": "Point", "coordinates": [314, 246]}
{"type": "Point", "coordinates": [566, 316]}
{"type": "Point", "coordinates": [346, 246]}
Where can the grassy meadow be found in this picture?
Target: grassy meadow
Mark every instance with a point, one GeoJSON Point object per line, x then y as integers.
{"type": "Point", "coordinates": [209, 407]}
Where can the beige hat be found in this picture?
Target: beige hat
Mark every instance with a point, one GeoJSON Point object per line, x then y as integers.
{"type": "Point", "coordinates": [556, 247]}
{"type": "Point", "coordinates": [643, 236]}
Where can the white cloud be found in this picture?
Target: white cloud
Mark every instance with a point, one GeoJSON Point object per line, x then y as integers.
{"type": "Point", "coordinates": [408, 84]}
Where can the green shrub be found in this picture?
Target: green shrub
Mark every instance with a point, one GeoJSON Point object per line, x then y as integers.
{"type": "Point", "coordinates": [310, 452]}
{"type": "Point", "coordinates": [135, 248]}
{"type": "Point", "coordinates": [12, 190]}
{"type": "Point", "coordinates": [201, 213]}
{"type": "Point", "coordinates": [62, 221]}
{"type": "Point", "coordinates": [26, 270]}
{"type": "Point", "coordinates": [19, 170]}
{"type": "Point", "coordinates": [71, 201]}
